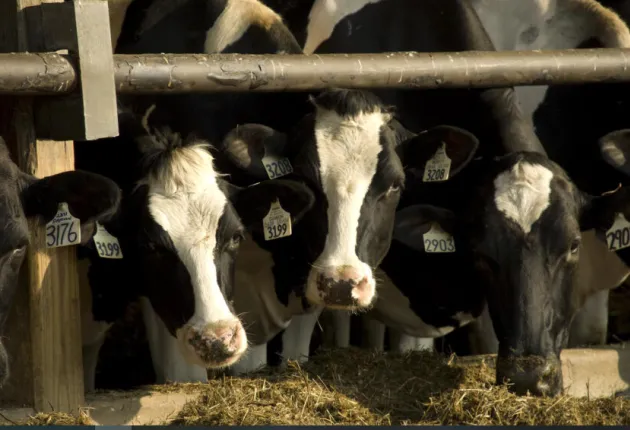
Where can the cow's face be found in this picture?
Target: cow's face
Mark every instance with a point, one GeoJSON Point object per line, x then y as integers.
{"type": "Point", "coordinates": [184, 226]}
{"type": "Point", "coordinates": [526, 237]}
{"type": "Point", "coordinates": [347, 151]}
{"type": "Point", "coordinates": [90, 198]}
{"type": "Point", "coordinates": [348, 156]}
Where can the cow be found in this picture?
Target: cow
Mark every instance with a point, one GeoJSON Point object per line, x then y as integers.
{"type": "Point", "coordinates": [521, 214]}
{"type": "Point", "coordinates": [179, 228]}
{"type": "Point", "coordinates": [576, 136]}
{"type": "Point", "coordinates": [88, 197]}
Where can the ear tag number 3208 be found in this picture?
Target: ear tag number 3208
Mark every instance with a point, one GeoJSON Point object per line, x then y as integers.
{"type": "Point", "coordinates": [437, 240]}
{"type": "Point", "coordinates": [618, 236]}
{"type": "Point", "coordinates": [107, 245]}
{"type": "Point", "coordinates": [63, 229]}
{"type": "Point", "coordinates": [276, 167]}
{"type": "Point", "coordinates": [277, 222]}
{"type": "Point", "coordinates": [438, 167]}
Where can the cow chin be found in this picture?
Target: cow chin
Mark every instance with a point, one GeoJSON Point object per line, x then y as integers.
{"type": "Point", "coordinates": [214, 345]}
{"type": "Point", "coordinates": [341, 287]}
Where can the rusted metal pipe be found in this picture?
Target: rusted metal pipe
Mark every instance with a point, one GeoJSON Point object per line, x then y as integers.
{"type": "Point", "coordinates": [36, 74]}
{"type": "Point", "coordinates": [41, 74]}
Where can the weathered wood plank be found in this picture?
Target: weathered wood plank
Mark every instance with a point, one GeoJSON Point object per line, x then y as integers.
{"type": "Point", "coordinates": [55, 329]}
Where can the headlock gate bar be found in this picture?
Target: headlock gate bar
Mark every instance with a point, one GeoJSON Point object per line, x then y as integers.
{"type": "Point", "coordinates": [50, 73]}
{"type": "Point", "coordinates": [63, 49]}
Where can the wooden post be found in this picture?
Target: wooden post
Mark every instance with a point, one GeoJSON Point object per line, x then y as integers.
{"type": "Point", "coordinates": [49, 374]}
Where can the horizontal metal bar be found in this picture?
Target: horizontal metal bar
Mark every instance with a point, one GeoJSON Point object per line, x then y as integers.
{"type": "Point", "coordinates": [194, 73]}
{"type": "Point", "coordinates": [36, 74]}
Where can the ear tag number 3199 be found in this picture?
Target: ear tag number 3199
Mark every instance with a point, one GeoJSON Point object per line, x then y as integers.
{"type": "Point", "coordinates": [277, 222]}
{"type": "Point", "coordinates": [437, 240]}
{"type": "Point", "coordinates": [63, 229]}
{"type": "Point", "coordinates": [107, 245]}
{"type": "Point", "coordinates": [438, 167]}
{"type": "Point", "coordinates": [276, 167]}
{"type": "Point", "coordinates": [618, 236]}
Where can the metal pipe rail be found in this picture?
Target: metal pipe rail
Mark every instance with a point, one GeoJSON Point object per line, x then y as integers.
{"type": "Point", "coordinates": [50, 73]}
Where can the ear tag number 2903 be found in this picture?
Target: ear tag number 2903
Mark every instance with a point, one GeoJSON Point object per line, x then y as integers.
{"type": "Point", "coordinates": [107, 245]}
{"type": "Point", "coordinates": [438, 167]}
{"type": "Point", "coordinates": [276, 167]}
{"type": "Point", "coordinates": [437, 240]}
{"type": "Point", "coordinates": [277, 222]}
{"type": "Point", "coordinates": [63, 229]}
{"type": "Point", "coordinates": [618, 236]}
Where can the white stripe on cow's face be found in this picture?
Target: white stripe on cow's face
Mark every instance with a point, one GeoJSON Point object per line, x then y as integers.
{"type": "Point", "coordinates": [348, 149]}
{"type": "Point", "coordinates": [325, 15]}
{"type": "Point", "coordinates": [233, 22]}
{"type": "Point", "coordinates": [522, 193]}
{"type": "Point", "coordinates": [186, 201]}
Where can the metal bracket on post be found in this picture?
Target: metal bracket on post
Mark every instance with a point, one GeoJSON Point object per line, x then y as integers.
{"type": "Point", "coordinates": [90, 113]}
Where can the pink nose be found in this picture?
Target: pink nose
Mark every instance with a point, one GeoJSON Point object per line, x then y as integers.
{"type": "Point", "coordinates": [218, 344]}
{"type": "Point", "coordinates": [345, 287]}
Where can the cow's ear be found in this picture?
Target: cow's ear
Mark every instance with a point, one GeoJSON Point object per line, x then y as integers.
{"type": "Point", "coordinates": [90, 197]}
{"type": "Point", "coordinates": [414, 221]}
{"type": "Point", "coordinates": [615, 150]}
{"type": "Point", "coordinates": [253, 203]}
{"type": "Point", "coordinates": [246, 145]}
{"type": "Point", "coordinates": [458, 144]}
{"type": "Point", "coordinates": [600, 212]}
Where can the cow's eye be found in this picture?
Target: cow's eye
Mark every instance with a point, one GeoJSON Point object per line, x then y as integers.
{"type": "Point", "coordinates": [393, 189]}
{"type": "Point", "coordinates": [235, 241]}
{"type": "Point", "coordinates": [575, 246]}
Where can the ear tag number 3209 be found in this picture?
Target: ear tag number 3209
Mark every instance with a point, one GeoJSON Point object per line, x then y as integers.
{"type": "Point", "coordinates": [63, 229]}
{"type": "Point", "coordinates": [276, 167]}
{"type": "Point", "coordinates": [618, 236]}
{"type": "Point", "coordinates": [437, 240]}
{"type": "Point", "coordinates": [438, 167]}
{"type": "Point", "coordinates": [277, 222]}
{"type": "Point", "coordinates": [107, 245]}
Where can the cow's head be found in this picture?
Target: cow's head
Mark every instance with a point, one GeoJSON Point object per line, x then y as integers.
{"type": "Point", "coordinates": [347, 152]}
{"type": "Point", "coordinates": [525, 223]}
{"type": "Point", "coordinates": [183, 224]}
{"type": "Point", "coordinates": [90, 198]}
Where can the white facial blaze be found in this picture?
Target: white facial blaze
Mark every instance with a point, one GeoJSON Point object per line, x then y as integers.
{"type": "Point", "coordinates": [186, 201]}
{"type": "Point", "coordinates": [348, 151]}
{"type": "Point", "coordinates": [522, 193]}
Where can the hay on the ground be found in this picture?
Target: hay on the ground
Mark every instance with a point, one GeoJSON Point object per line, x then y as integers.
{"type": "Point", "coordinates": [359, 387]}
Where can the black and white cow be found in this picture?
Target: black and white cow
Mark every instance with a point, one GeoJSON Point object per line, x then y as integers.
{"type": "Point", "coordinates": [179, 228]}
{"type": "Point", "coordinates": [571, 120]}
{"type": "Point", "coordinates": [521, 215]}
{"type": "Point", "coordinates": [89, 197]}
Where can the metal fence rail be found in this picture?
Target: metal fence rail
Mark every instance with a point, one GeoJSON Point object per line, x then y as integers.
{"type": "Point", "coordinates": [46, 74]}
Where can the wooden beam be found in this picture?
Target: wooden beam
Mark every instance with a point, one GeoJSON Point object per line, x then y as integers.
{"type": "Point", "coordinates": [55, 332]}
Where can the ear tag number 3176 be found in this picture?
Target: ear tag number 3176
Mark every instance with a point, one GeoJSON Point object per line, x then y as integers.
{"type": "Point", "coordinates": [437, 240]}
{"type": "Point", "coordinates": [277, 222]}
{"type": "Point", "coordinates": [438, 167]}
{"type": "Point", "coordinates": [618, 236]}
{"type": "Point", "coordinates": [276, 167]}
{"type": "Point", "coordinates": [107, 245]}
{"type": "Point", "coordinates": [63, 229]}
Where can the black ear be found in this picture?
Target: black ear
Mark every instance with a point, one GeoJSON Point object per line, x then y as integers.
{"type": "Point", "coordinates": [599, 212]}
{"type": "Point", "coordinates": [416, 151]}
{"type": "Point", "coordinates": [615, 149]}
{"type": "Point", "coordinates": [253, 203]}
{"type": "Point", "coordinates": [90, 197]}
{"type": "Point", "coordinates": [245, 146]}
{"type": "Point", "coordinates": [414, 221]}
